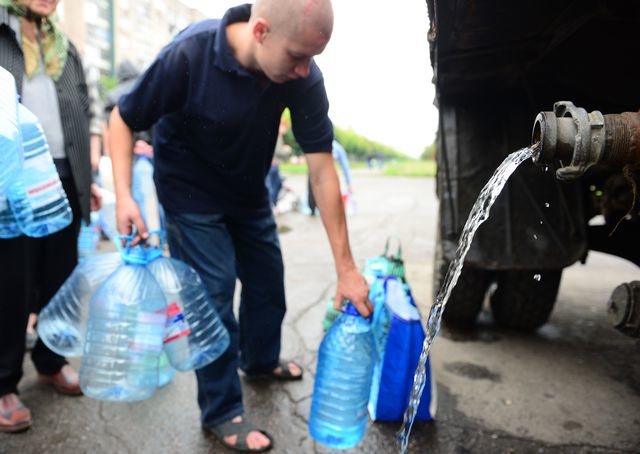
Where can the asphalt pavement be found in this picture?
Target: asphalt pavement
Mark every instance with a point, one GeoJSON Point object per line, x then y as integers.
{"type": "Point", "coordinates": [571, 387]}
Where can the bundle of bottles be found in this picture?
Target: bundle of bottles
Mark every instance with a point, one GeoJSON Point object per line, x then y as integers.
{"type": "Point", "coordinates": [135, 316]}
{"type": "Point", "coordinates": [350, 358]}
{"type": "Point", "coordinates": [32, 200]}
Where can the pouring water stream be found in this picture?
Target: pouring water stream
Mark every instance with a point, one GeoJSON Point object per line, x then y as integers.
{"type": "Point", "coordinates": [479, 213]}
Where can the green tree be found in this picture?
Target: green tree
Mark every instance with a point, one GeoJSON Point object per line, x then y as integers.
{"type": "Point", "coordinates": [429, 153]}
{"type": "Point", "coordinates": [357, 146]}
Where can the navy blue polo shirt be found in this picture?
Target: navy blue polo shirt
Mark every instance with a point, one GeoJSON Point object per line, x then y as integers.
{"type": "Point", "coordinates": [216, 124]}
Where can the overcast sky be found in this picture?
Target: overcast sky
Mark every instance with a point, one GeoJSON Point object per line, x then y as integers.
{"type": "Point", "coordinates": [377, 70]}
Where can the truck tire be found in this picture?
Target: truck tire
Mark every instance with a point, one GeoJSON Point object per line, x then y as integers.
{"type": "Point", "coordinates": [467, 296]}
{"type": "Point", "coordinates": [523, 302]}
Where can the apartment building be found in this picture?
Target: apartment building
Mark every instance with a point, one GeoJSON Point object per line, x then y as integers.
{"type": "Point", "coordinates": [108, 31]}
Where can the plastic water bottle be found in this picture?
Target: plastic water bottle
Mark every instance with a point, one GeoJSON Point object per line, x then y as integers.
{"type": "Point", "coordinates": [11, 155]}
{"type": "Point", "coordinates": [62, 323]}
{"type": "Point", "coordinates": [143, 191]}
{"type": "Point", "coordinates": [165, 371]}
{"type": "Point", "coordinates": [9, 227]}
{"type": "Point", "coordinates": [194, 334]}
{"type": "Point", "coordinates": [46, 209]}
{"type": "Point", "coordinates": [10, 141]}
{"type": "Point", "coordinates": [88, 238]}
{"type": "Point", "coordinates": [338, 416]}
{"type": "Point", "coordinates": [124, 335]}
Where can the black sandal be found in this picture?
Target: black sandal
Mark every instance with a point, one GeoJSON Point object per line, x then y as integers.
{"type": "Point", "coordinates": [241, 429]}
{"type": "Point", "coordinates": [284, 375]}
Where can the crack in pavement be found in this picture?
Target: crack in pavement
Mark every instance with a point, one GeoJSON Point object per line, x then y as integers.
{"type": "Point", "coordinates": [108, 431]}
{"type": "Point", "coordinates": [310, 306]}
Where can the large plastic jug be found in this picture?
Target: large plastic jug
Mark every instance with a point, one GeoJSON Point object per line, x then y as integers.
{"type": "Point", "coordinates": [143, 191]}
{"type": "Point", "coordinates": [11, 155]}
{"type": "Point", "coordinates": [194, 334]}
{"type": "Point", "coordinates": [45, 209]}
{"type": "Point", "coordinates": [127, 316]}
{"type": "Point", "coordinates": [9, 227]}
{"type": "Point", "coordinates": [338, 415]}
{"type": "Point", "coordinates": [62, 323]}
{"type": "Point", "coordinates": [89, 238]}
{"type": "Point", "coordinates": [10, 141]}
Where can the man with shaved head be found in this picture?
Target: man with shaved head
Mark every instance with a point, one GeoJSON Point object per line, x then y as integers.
{"type": "Point", "coordinates": [215, 95]}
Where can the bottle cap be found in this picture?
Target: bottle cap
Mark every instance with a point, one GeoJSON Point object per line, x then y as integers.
{"type": "Point", "coordinates": [350, 309]}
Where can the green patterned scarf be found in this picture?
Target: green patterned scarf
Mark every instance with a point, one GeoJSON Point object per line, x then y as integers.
{"type": "Point", "coordinates": [55, 44]}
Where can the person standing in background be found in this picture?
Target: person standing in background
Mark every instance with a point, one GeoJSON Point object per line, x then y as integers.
{"type": "Point", "coordinates": [51, 81]}
{"type": "Point", "coordinates": [339, 154]}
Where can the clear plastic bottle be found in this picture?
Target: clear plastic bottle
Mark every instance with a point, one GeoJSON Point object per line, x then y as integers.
{"type": "Point", "coordinates": [10, 140]}
{"type": "Point", "coordinates": [127, 316]}
{"type": "Point", "coordinates": [88, 238]}
{"type": "Point", "coordinates": [9, 227]}
{"type": "Point", "coordinates": [194, 334]}
{"type": "Point", "coordinates": [11, 155]}
{"type": "Point", "coordinates": [45, 209]}
{"type": "Point", "coordinates": [338, 415]}
{"type": "Point", "coordinates": [62, 323]}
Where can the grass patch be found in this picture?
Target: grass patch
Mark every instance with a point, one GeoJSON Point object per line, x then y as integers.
{"type": "Point", "coordinates": [410, 168]}
{"type": "Point", "coordinates": [405, 168]}
{"type": "Point", "coordinates": [293, 169]}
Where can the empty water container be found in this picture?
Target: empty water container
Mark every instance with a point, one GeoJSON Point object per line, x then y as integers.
{"type": "Point", "coordinates": [127, 317]}
{"type": "Point", "coordinates": [45, 209]}
{"type": "Point", "coordinates": [89, 237]}
{"type": "Point", "coordinates": [194, 334]}
{"type": "Point", "coordinates": [62, 323]}
{"type": "Point", "coordinates": [11, 155]}
{"type": "Point", "coordinates": [338, 415]}
{"type": "Point", "coordinates": [9, 227]}
{"type": "Point", "coordinates": [10, 140]}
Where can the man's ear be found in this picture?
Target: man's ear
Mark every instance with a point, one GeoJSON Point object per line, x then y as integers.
{"type": "Point", "coordinates": [260, 29]}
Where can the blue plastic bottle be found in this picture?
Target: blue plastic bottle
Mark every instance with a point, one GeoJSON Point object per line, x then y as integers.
{"type": "Point", "coordinates": [11, 155]}
{"type": "Point", "coordinates": [127, 316]}
{"type": "Point", "coordinates": [9, 227]}
{"type": "Point", "coordinates": [88, 238]}
{"type": "Point", "coordinates": [62, 323]}
{"type": "Point", "coordinates": [338, 416]}
{"type": "Point", "coordinates": [45, 210]}
{"type": "Point", "coordinates": [194, 334]}
{"type": "Point", "coordinates": [10, 141]}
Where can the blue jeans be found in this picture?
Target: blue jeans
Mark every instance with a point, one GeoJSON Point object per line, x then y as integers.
{"type": "Point", "coordinates": [221, 248]}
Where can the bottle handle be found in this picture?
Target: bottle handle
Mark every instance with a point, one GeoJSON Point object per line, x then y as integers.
{"type": "Point", "coordinates": [398, 254]}
{"type": "Point", "coordinates": [139, 255]}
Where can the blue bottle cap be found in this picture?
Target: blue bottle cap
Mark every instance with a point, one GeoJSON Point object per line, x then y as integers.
{"type": "Point", "coordinates": [350, 309]}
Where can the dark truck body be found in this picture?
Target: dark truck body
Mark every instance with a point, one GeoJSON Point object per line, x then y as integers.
{"type": "Point", "coordinates": [496, 65]}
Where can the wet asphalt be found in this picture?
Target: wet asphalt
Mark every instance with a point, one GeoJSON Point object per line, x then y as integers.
{"type": "Point", "coordinates": [571, 387]}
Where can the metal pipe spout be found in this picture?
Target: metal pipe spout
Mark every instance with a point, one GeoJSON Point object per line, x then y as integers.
{"type": "Point", "coordinates": [578, 140]}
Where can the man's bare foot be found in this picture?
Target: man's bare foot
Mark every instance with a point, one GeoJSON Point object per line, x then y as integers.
{"type": "Point", "coordinates": [255, 440]}
{"type": "Point", "coordinates": [294, 370]}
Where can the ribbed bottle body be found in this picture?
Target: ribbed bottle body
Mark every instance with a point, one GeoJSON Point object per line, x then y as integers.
{"type": "Point", "coordinates": [124, 337]}
{"type": "Point", "coordinates": [338, 415]}
{"type": "Point", "coordinates": [194, 334]}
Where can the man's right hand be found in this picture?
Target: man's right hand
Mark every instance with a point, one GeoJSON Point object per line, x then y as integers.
{"type": "Point", "coordinates": [127, 216]}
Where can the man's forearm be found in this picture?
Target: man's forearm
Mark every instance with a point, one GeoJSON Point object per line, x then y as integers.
{"type": "Point", "coordinates": [326, 190]}
{"type": "Point", "coordinates": [121, 149]}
